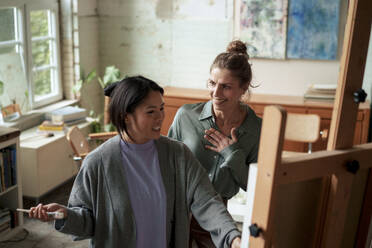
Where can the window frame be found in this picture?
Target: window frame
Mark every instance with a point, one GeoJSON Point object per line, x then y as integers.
{"type": "Point", "coordinates": [23, 33]}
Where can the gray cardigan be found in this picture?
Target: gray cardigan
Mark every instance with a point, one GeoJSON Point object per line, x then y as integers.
{"type": "Point", "coordinates": [99, 206]}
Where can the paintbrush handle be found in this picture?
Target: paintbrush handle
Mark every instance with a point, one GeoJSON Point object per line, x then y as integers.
{"type": "Point", "coordinates": [55, 215]}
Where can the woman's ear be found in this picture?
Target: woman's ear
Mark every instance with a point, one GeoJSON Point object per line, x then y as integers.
{"type": "Point", "coordinates": [245, 87]}
{"type": "Point", "coordinates": [125, 117]}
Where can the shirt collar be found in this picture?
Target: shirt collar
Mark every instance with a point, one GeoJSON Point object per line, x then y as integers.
{"type": "Point", "coordinates": [206, 112]}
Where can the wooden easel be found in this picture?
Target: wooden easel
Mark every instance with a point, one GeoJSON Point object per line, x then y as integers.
{"type": "Point", "coordinates": [337, 166]}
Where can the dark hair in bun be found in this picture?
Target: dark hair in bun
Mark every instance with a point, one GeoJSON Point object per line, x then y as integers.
{"type": "Point", "coordinates": [237, 46]}
{"type": "Point", "coordinates": [235, 59]}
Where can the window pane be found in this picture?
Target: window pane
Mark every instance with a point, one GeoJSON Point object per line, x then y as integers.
{"type": "Point", "coordinates": [39, 23]}
{"type": "Point", "coordinates": [41, 53]}
{"type": "Point", "coordinates": [8, 49]}
{"type": "Point", "coordinates": [42, 81]}
{"type": "Point", "coordinates": [7, 27]}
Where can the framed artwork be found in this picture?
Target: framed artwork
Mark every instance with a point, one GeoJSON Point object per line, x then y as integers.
{"type": "Point", "coordinates": [263, 27]}
{"type": "Point", "coordinates": [313, 29]}
{"type": "Point", "coordinates": [310, 32]}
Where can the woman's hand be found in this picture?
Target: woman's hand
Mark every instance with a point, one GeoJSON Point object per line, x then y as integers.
{"type": "Point", "coordinates": [40, 211]}
{"type": "Point", "coordinates": [236, 243]}
{"type": "Point", "coordinates": [219, 140]}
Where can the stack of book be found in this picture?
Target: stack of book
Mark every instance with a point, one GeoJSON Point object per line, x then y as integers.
{"type": "Point", "coordinates": [8, 170]}
{"type": "Point", "coordinates": [52, 127]}
{"type": "Point", "coordinates": [5, 221]}
{"type": "Point", "coordinates": [69, 115]}
{"type": "Point", "coordinates": [324, 92]}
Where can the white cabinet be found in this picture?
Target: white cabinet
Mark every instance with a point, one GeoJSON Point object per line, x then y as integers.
{"type": "Point", "coordinates": [11, 191]}
{"type": "Point", "coordinates": [46, 162]}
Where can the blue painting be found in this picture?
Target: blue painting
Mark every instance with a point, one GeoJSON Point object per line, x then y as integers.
{"type": "Point", "coordinates": [313, 29]}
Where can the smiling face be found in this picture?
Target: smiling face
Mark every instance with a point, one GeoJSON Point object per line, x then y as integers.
{"type": "Point", "coordinates": [225, 89]}
{"type": "Point", "coordinates": [145, 122]}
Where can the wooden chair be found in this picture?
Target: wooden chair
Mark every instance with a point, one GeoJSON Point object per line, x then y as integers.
{"type": "Point", "coordinates": [302, 128]}
{"type": "Point", "coordinates": [80, 144]}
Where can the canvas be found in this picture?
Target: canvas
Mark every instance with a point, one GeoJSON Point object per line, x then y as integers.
{"type": "Point", "coordinates": [263, 27]}
{"type": "Point", "coordinates": [313, 29]}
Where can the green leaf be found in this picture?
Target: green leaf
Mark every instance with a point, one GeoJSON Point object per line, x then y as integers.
{"type": "Point", "coordinates": [91, 75]}
{"type": "Point", "coordinates": [112, 74]}
{"type": "Point", "coordinates": [101, 82]}
{"type": "Point", "coordinates": [109, 127]}
{"type": "Point", "coordinates": [77, 87]}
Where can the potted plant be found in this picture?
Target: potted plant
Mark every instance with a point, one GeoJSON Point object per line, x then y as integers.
{"type": "Point", "coordinates": [84, 79]}
{"type": "Point", "coordinates": [112, 74]}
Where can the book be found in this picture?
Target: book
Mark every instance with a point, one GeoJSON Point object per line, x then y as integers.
{"type": "Point", "coordinates": [325, 92]}
{"type": "Point", "coordinates": [52, 126]}
{"type": "Point", "coordinates": [5, 219]}
{"type": "Point", "coordinates": [324, 87]}
{"type": "Point", "coordinates": [76, 121]}
{"type": "Point", "coordinates": [2, 185]}
{"type": "Point", "coordinates": [317, 96]}
{"type": "Point", "coordinates": [4, 212]}
{"type": "Point", "coordinates": [5, 228]}
{"type": "Point", "coordinates": [66, 114]}
{"type": "Point", "coordinates": [7, 175]}
{"type": "Point", "coordinates": [13, 165]}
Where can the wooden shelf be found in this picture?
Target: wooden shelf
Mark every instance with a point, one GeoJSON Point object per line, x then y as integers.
{"type": "Point", "coordinates": [11, 197]}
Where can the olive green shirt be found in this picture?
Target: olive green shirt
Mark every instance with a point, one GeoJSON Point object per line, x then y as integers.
{"type": "Point", "coordinates": [228, 169]}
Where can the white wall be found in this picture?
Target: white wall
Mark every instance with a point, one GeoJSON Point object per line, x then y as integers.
{"type": "Point", "coordinates": [174, 43]}
{"type": "Point", "coordinates": [136, 37]}
{"type": "Point", "coordinates": [89, 53]}
{"type": "Point", "coordinates": [163, 39]}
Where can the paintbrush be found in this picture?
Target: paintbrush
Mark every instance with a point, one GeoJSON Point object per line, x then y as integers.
{"type": "Point", "coordinates": [55, 215]}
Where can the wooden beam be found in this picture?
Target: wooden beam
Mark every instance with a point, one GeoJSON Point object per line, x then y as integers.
{"type": "Point", "coordinates": [366, 215]}
{"type": "Point", "coordinates": [269, 156]}
{"type": "Point", "coordinates": [352, 64]}
{"type": "Point", "coordinates": [337, 208]}
{"type": "Point", "coordinates": [322, 163]}
{"type": "Point", "coordinates": [351, 74]}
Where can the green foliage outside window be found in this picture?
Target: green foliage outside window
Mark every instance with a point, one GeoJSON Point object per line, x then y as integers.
{"type": "Point", "coordinates": [41, 52]}
{"type": "Point", "coordinates": [7, 28]}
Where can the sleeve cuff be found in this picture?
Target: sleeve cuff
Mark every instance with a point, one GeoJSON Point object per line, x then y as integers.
{"type": "Point", "coordinates": [228, 151]}
{"type": "Point", "coordinates": [61, 225]}
{"type": "Point", "coordinates": [232, 235]}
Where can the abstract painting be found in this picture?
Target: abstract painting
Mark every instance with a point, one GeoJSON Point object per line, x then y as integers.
{"type": "Point", "coordinates": [263, 27]}
{"type": "Point", "coordinates": [313, 29]}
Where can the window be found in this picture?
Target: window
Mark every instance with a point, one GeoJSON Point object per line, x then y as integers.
{"type": "Point", "coordinates": [31, 30]}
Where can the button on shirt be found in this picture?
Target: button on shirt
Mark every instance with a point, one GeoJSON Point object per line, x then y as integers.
{"type": "Point", "coordinates": [228, 170]}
